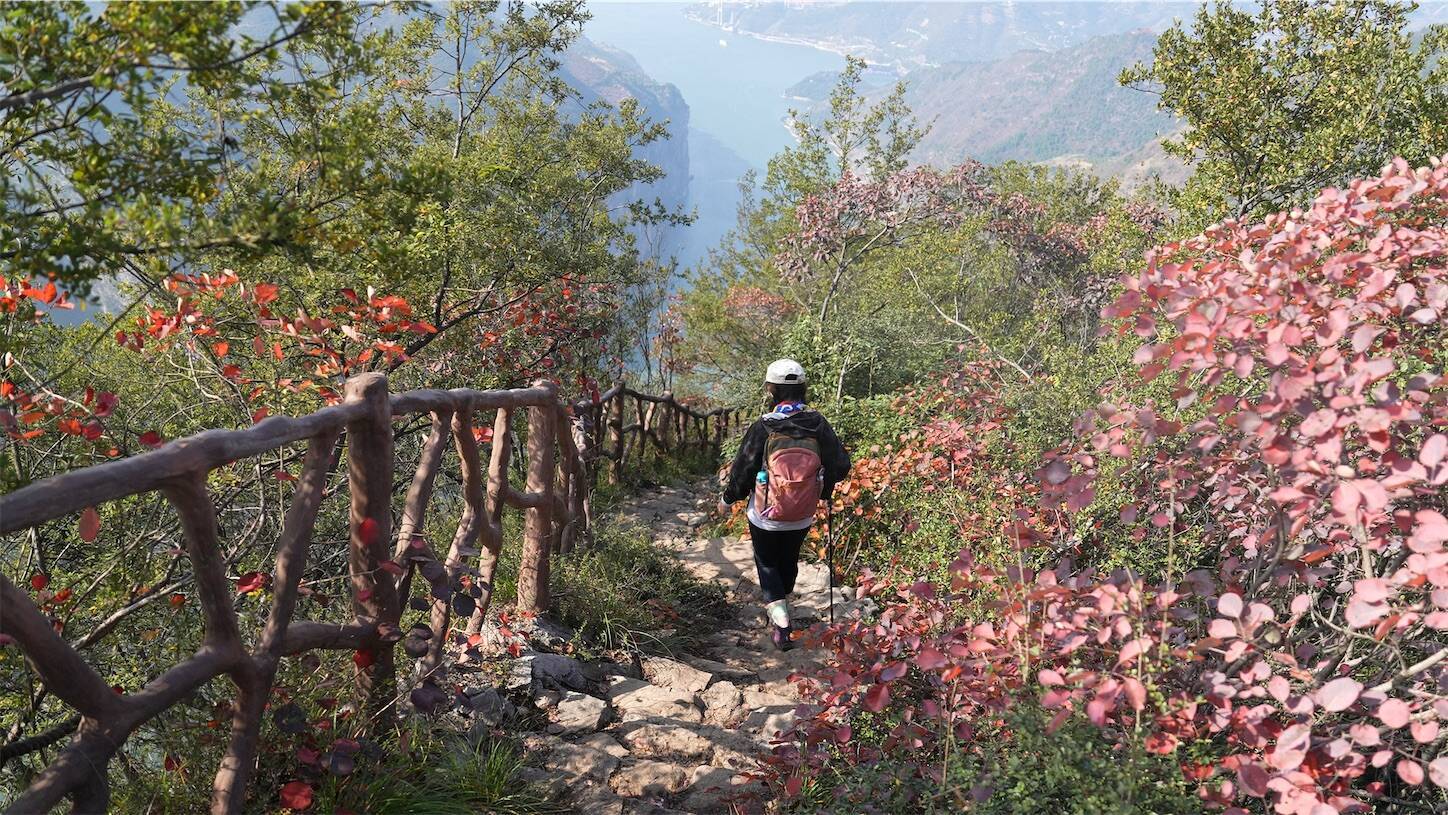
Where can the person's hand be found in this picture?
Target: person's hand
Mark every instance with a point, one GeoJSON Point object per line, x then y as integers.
{"type": "Point", "coordinates": [722, 507]}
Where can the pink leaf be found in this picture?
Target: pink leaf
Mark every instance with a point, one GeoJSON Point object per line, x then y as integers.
{"type": "Point", "coordinates": [1135, 693]}
{"type": "Point", "coordinates": [1394, 713]}
{"type": "Point", "coordinates": [1339, 694]}
{"type": "Point", "coordinates": [1410, 771]}
{"type": "Point", "coordinates": [1229, 605]}
{"type": "Point", "coordinates": [1291, 748]}
{"type": "Point", "coordinates": [1438, 771]}
{"type": "Point", "coordinates": [1434, 450]}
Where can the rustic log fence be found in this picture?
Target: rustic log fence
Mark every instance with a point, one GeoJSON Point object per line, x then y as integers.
{"type": "Point", "coordinates": [563, 453]}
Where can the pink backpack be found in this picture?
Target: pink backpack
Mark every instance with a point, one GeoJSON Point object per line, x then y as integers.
{"type": "Point", "coordinates": [796, 478]}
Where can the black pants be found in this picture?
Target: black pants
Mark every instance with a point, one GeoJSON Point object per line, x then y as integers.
{"type": "Point", "coordinates": [776, 558]}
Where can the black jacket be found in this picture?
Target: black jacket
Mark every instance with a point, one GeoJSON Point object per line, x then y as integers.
{"type": "Point", "coordinates": [805, 424]}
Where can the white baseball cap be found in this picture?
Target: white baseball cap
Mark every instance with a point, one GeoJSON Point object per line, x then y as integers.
{"type": "Point", "coordinates": [784, 372]}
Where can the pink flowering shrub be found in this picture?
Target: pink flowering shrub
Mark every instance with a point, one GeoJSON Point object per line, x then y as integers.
{"type": "Point", "coordinates": [1298, 664]}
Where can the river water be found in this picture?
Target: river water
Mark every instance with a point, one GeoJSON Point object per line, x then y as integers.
{"type": "Point", "coordinates": [734, 85]}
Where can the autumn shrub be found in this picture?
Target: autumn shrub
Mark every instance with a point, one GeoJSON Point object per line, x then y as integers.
{"type": "Point", "coordinates": [1296, 662]}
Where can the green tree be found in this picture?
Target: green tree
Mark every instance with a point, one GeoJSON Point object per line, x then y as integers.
{"type": "Point", "coordinates": [96, 176]}
{"type": "Point", "coordinates": [1295, 96]}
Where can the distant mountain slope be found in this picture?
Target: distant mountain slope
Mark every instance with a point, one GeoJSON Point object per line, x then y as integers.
{"type": "Point", "coordinates": [1039, 106]}
{"type": "Point", "coordinates": [909, 35]}
{"type": "Point", "coordinates": [1061, 107]}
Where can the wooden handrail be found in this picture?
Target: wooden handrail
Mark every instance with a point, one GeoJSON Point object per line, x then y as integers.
{"type": "Point", "coordinates": [563, 451]}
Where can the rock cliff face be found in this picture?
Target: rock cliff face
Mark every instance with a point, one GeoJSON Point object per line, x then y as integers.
{"type": "Point", "coordinates": [1040, 106]}
{"type": "Point", "coordinates": [602, 73]}
{"type": "Point", "coordinates": [1055, 107]}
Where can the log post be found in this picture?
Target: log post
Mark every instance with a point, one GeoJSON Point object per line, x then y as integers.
{"type": "Point", "coordinates": [502, 451]}
{"type": "Point", "coordinates": [573, 473]}
{"type": "Point", "coordinates": [646, 420]}
{"type": "Point", "coordinates": [586, 445]}
{"type": "Point", "coordinates": [615, 436]}
{"type": "Point", "coordinates": [538, 519]}
{"type": "Point", "coordinates": [369, 478]}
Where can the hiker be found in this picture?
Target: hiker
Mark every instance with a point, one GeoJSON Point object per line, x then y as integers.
{"type": "Point", "coordinates": [789, 459]}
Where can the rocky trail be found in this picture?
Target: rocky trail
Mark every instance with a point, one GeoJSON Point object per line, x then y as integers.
{"type": "Point", "coordinates": [671, 734]}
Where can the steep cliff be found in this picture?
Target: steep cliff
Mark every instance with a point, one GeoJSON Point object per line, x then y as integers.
{"type": "Point", "coordinates": [603, 73]}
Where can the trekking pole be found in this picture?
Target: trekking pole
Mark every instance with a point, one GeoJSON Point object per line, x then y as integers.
{"type": "Point", "coordinates": [830, 555]}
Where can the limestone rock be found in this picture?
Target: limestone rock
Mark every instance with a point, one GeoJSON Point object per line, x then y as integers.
{"type": "Point", "coordinates": [635, 699]}
{"type": "Point", "coordinates": [664, 739]}
{"type": "Point", "coordinates": [580, 713]}
{"type": "Point", "coordinates": [720, 670]}
{"type": "Point", "coordinates": [584, 762]}
{"type": "Point", "coordinates": [722, 703]}
{"type": "Point", "coordinates": [596, 799]}
{"type": "Point", "coordinates": [606, 743]}
{"type": "Point", "coordinates": [552, 785]}
{"type": "Point", "coordinates": [559, 671]}
{"type": "Point", "coordinates": [490, 707]}
{"type": "Point", "coordinates": [652, 778]}
{"type": "Point", "coordinates": [675, 675]}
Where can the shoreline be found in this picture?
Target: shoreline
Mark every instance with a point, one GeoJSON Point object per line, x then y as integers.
{"type": "Point", "coordinates": [818, 45]}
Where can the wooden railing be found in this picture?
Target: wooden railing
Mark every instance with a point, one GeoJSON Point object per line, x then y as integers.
{"type": "Point", "coordinates": [561, 458]}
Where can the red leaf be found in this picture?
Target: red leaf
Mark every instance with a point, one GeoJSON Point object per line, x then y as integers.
{"type": "Point", "coordinates": [391, 567]}
{"type": "Point", "coordinates": [929, 658]}
{"type": "Point", "coordinates": [363, 658]}
{"type": "Point", "coordinates": [151, 439]}
{"type": "Point", "coordinates": [877, 697]}
{"type": "Point", "coordinates": [39, 581]}
{"type": "Point", "coordinates": [295, 795]}
{"type": "Point", "coordinates": [90, 524]}
{"type": "Point", "coordinates": [250, 582]}
{"type": "Point", "coordinates": [367, 531]}
{"type": "Point", "coordinates": [1253, 778]}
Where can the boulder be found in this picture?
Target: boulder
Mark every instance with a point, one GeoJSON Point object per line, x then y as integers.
{"type": "Point", "coordinates": [733, 673]}
{"type": "Point", "coordinates": [664, 739]}
{"type": "Point", "coordinates": [722, 703]}
{"type": "Point", "coordinates": [595, 799]}
{"type": "Point", "coordinates": [489, 706]}
{"type": "Point", "coordinates": [636, 699]}
{"type": "Point", "coordinates": [580, 761]}
{"type": "Point", "coordinates": [559, 671]}
{"type": "Point", "coordinates": [552, 785]}
{"type": "Point", "coordinates": [652, 778]}
{"type": "Point", "coordinates": [675, 675]}
{"type": "Point", "coordinates": [580, 713]}
{"type": "Point", "coordinates": [606, 743]}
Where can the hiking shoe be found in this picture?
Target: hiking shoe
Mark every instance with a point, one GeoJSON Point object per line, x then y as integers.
{"type": "Point", "coordinates": [781, 638]}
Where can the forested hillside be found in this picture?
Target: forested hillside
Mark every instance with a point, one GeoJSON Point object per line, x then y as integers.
{"type": "Point", "coordinates": [1149, 504]}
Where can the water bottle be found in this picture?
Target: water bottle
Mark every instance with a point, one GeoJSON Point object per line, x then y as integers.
{"type": "Point", "coordinates": [761, 478]}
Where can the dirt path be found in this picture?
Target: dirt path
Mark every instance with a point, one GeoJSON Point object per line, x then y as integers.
{"type": "Point", "coordinates": [682, 734]}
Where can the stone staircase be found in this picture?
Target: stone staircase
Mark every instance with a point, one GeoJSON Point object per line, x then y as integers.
{"type": "Point", "coordinates": [683, 734]}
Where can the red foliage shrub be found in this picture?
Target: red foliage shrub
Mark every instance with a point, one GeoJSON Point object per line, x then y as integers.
{"type": "Point", "coordinates": [1307, 446]}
